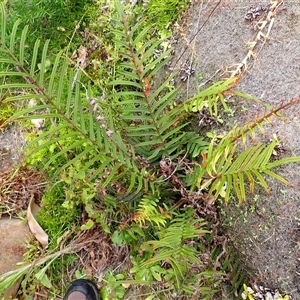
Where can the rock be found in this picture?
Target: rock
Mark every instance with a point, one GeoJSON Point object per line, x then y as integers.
{"type": "Point", "coordinates": [13, 234]}
{"type": "Point", "coordinates": [12, 141]}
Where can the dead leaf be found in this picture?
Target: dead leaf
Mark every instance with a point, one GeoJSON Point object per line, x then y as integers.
{"type": "Point", "coordinates": [34, 226]}
{"type": "Point", "coordinates": [82, 60]}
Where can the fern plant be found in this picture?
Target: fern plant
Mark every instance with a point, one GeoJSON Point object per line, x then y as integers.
{"type": "Point", "coordinates": [170, 246]}
{"type": "Point", "coordinates": [223, 169]}
{"type": "Point", "coordinates": [116, 136]}
{"type": "Point", "coordinates": [134, 124]}
{"type": "Point", "coordinates": [56, 96]}
{"type": "Point", "coordinates": [173, 258]}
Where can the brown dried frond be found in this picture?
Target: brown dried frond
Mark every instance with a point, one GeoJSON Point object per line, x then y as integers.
{"type": "Point", "coordinates": [99, 253]}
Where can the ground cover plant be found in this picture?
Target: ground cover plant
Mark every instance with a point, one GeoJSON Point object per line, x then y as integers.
{"type": "Point", "coordinates": [128, 182]}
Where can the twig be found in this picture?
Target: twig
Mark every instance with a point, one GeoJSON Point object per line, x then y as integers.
{"type": "Point", "coordinates": [221, 254]}
{"type": "Point", "coordinates": [269, 237]}
{"type": "Point", "coordinates": [193, 37]}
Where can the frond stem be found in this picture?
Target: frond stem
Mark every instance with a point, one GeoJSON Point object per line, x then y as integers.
{"type": "Point", "coordinates": [273, 112]}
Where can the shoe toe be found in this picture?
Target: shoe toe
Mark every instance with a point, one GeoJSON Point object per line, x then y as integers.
{"type": "Point", "coordinates": [82, 289]}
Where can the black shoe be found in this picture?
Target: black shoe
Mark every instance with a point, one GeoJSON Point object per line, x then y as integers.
{"type": "Point", "coordinates": [82, 289]}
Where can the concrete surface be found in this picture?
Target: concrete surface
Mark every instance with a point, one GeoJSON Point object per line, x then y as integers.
{"type": "Point", "coordinates": [270, 236]}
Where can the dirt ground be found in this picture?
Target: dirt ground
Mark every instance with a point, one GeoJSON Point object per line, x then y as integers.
{"type": "Point", "coordinates": [268, 231]}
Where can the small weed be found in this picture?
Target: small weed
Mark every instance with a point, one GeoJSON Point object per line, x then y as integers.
{"type": "Point", "coordinates": [113, 288]}
{"type": "Point", "coordinates": [256, 197]}
{"type": "Point", "coordinates": [283, 192]}
{"type": "Point", "coordinates": [244, 109]}
{"type": "Point", "coordinates": [230, 112]}
{"type": "Point", "coordinates": [271, 218]}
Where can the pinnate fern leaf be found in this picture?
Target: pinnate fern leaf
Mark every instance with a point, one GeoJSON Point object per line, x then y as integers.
{"type": "Point", "coordinates": [223, 170]}
{"type": "Point", "coordinates": [211, 97]}
{"type": "Point", "coordinates": [152, 127]}
{"type": "Point", "coordinates": [150, 211]}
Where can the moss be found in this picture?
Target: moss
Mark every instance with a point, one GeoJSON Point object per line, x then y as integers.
{"type": "Point", "coordinates": [6, 111]}
{"type": "Point", "coordinates": [53, 217]}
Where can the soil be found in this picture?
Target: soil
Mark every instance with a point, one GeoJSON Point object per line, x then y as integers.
{"type": "Point", "coordinates": [267, 231]}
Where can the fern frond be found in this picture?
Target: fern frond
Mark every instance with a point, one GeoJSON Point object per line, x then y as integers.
{"type": "Point", "coordinates": [150, 125]}
{"type": "Point", "coordinates": [241, 132]}
{"type": "Point", "coordinates": [171, 244]}
{"type": "Point", "coordinates": [223, 169]}
{"type": "Point", "coordinates": [149, 210]}
{"type": "Point", "coordinates": [210, 97]}
{"type": "Point", "coordinates": [226, 171]}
